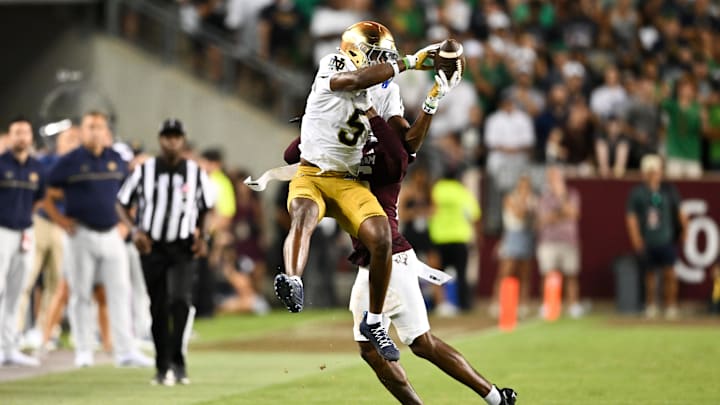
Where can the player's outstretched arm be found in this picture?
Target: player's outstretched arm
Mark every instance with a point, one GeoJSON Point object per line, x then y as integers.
{"type": "Point", "coordinates": [415, 134]}
{"type": "Point", "coordinates": [375, 74]}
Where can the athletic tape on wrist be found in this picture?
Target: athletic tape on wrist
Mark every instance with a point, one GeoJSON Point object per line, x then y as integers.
{"type": "Point", "coordinates": [396, 68]}
{"type": "Point", "coordinates": [430, 105]}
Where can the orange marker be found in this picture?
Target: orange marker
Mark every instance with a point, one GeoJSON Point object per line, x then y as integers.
{"type": "Point", "coordinates": [509, 294]}
{"type": "Point", "coordinates": [552, 297]}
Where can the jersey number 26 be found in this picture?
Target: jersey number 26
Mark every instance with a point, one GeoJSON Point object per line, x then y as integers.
{"type": "Point", "coordinates": [349, 136]}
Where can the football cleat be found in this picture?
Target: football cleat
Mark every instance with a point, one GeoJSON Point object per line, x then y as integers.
{"type": "Point", "coordinates": [290, 291]}
{"type": "Point", "coordinates": [378, 336]}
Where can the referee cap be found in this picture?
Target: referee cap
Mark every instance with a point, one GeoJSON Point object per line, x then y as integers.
{"type": "Point", "coordinates": [172, 126]}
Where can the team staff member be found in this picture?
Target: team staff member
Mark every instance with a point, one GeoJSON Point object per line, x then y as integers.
{"type": "Point", "coordinates": [21, 186]}
{"type": "Point", "coordinates": [172, 195]}
{"type": "Point", "coordinates": [89, 178]}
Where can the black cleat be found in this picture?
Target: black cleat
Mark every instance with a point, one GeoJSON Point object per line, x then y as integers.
{"type": "Point", "coordinates": [290, 291]}
{"type": "Point", "coordinates": [509, 396]}
{"type": "Point", "coordinates": [378, 336]}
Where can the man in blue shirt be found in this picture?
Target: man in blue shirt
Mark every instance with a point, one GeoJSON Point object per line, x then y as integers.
{"type": "Point", "coordinates": [89, 178]}
{"type": "Point", "coordinates": [22, 184]}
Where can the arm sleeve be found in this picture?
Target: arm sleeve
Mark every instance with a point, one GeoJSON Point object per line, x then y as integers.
{"type": "Point", "coordinates": [42, 180]}
{"type": "Point", "coordinates": [292, 152]}
{"type": "Point", "coordinates": [631, 207]}
{"type": "Point", "coordinates": [58, 173]}
{"type": "Point", "coordinates": [207, 191]}
{"type": "Point", "coordinates": [129, 187]}
{"type": "Point", "coordinates": [328, 67]}
{"type": "Point", "coordinates": [393, 155]}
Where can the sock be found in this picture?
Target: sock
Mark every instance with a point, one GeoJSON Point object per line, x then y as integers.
{"type": "Point", "coordinates": [373, 318]}
{"type": "Point", "coordinates": [297, 278]}
{"type": "Point", "coordinates": [493, 398]}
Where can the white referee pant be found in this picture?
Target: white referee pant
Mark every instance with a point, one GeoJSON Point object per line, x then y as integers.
{"type": "Point", "coordinates": [104, 253]}
{"type": "Point", "coordinates": [15, 268]}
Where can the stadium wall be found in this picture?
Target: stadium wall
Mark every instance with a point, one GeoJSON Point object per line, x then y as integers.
{"type": "Point", "coordinates": [604, 238]}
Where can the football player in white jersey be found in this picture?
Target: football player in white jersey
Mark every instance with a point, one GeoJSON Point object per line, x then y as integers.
{"type": "Point", "coordinates": [333, 132]}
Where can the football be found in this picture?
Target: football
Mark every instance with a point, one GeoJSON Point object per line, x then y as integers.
{"type": "Point", "coordinates": [450, 58]}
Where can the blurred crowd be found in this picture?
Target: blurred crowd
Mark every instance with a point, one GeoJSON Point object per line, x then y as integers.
{"type": "Point", "coordinates": [594, 85]}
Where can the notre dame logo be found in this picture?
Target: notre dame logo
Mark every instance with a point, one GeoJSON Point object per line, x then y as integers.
{"type": "Point", "coordinates": [34, 177]}
{"type": "Point", "coordinates": [337, 63]}
{"type": "Point", "coordinates": [112, 166]}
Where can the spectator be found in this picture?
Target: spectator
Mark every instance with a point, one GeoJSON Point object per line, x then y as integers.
{"type": "Point", "coordinates": [642, 119]}
{"type": "Point", "coordinates": [609, 98]}
{"type": "Point", "coordinates": [683, 131]}
{"type": "Point", "coordinates": [489, 74]}
{"type": "Point", "coordinates": [509, 137]}
{"type": "Point", "coordinates": [526, 97]}
{"type": "Point", "coordinates": [654, 221]}
{"type": "Point", "coordinates": [407, 20]}
{"type": "Point", "coordinates": [3, 142]}
{"type": "Point", "coordinates": [573, 74]}
{"type": "Point", "coordinates": [624, 21]}
{"type": "Point", "coordinates": [415, 209]}
{"type": "Point", "coordinates": [713, 126]}
{"type": "Point", "coordinates": [244, 264]}
{"type": "Point", "coordinates": [217, 223]}
{"type": "Point", "coordinates": [612, 148]}
{"type": "Point", "coordinates": [574, 143]}
{"type": "Point", "coordinates": [330, 21]}
{"type": "Point", "coordinates": [22, 187]}
{"type": "Point", "coordinates": [553, 116]}
{"type": "Point", "coordinates": [48, 246]}
{"type": "Point", "coordinates": [280, 33]}
{"type": "Point", "coordinates": [558, 224]}
{"type": "Point", "coordinates": [453, 223]}
{"type": "Point", "coordinates": [517, 245]}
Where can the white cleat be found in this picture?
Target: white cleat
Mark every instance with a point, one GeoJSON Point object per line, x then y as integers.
{"type": "Point", "coordinates": [84, 359]}
{"type": "Point", "coordinates": [18, 358]}
{"type": "Point", "coordinates": [134, 359]}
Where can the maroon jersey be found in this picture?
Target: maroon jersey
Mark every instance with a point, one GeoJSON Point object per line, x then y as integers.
{"type": "Point", "coordinates": [384, 165]}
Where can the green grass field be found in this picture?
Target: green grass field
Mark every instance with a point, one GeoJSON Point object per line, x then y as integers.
{"type": "Point", "coordinates": [593, 361]}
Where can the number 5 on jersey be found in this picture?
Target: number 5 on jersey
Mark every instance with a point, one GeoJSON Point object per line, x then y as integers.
{"type": "Point", "coordinates": [355, 128]}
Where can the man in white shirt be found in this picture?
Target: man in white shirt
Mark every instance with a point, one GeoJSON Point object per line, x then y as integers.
{"type": "Point", "coordinates": [609, 98]}
{"type": "Point", "coordinates": [509, 137]}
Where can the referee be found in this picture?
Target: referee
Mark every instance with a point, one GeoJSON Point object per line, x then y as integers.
{"type": "Point", "coordinates": [172, 195]}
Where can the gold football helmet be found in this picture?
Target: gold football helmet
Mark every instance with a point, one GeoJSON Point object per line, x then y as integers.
{"type": "Point", "coordinates": [367, 43]}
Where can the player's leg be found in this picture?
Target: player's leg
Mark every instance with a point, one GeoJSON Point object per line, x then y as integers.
{"type": "Point", "coordinates": [671, 290]}
{"type": "Point", "coordinates": [80, 277]}
{"type": "Point", "coordinates": [306, 206]}
{"type": "Point", "coordinates": [391, 375]}
{"type": "Point", "coordinates": [449, 360]}
{"type": "Point", "coordinates": [155, 269]}
{"type": "Point", "coordinates": [17, 278]}
{"type": "Point", "coordinates": [304, 217]}
{"type": "Point", "coordinates": [103, 318]}
{"type": "Point", "coordinates": [180, 283]}
{"type": "Point", "coordinates": [115, 273]}
{"type": "Point", "coordinates": [374, 233]}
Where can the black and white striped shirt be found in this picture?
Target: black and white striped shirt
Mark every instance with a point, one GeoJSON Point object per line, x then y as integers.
{"type": "Point", "coordinates": [169, 199]}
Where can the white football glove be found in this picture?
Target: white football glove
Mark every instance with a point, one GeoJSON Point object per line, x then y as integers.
{"type": "Point", "coordinates": [362, 100]}
{"type": "Point", "coordinates": [417, 60]}
{"type": "Point", "coordinates": [439, 90]}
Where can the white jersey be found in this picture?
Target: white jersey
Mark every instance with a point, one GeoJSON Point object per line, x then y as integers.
{"type": "Point", "coordinates": [387, 101]}
{"type": "Point", "coordinates": [333, 132]}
